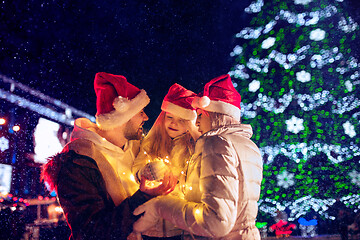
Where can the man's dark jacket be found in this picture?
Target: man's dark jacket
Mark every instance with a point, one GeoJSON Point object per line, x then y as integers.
{"type": "Point", "coordinates": [88, 208]}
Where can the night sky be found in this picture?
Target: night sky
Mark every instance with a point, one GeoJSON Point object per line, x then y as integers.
{"type": "Point", "coordinates": [56, 47]}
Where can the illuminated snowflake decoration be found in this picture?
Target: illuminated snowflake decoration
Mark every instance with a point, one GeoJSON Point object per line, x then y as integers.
{"type": "Point", "coordinates": [348, 86]}
{"type": "Point", "coordinates": [303, 2]}
{"type": "Point", "coordinates": [285, 179]}
{"type": "Point", "coordinates": [254, 86]}
{"type": "Point", "coordinates": [355, 177]}
{"type": "Point", "coordinates": [349, 129]}
{"type": "Point", "coordinates": [4, 144]}
{"type": "Point", "coordinates": [303, 76]}
{"type": "Point", "coordinates": [317, 34]}
{"type": "Point", "coordinates": [347, 25]}
{"type": "Point", "coordinates": [268, 43]}
{"type": "Point", "coordinates": [294, 124]}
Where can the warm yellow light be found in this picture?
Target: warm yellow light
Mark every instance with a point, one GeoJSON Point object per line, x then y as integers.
{"type": "Point", "coordinates": [132, 178]}
{"type": "Point", "coordinates": [58, 209]}
{"type": "Point", "coordinates": [2, 121]}
{"type": "Point", "coordinates": [16, 128]}
{"type": "Point", "coordinates": [152, 184]}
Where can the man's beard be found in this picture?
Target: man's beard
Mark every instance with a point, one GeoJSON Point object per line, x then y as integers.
{"type": "Point", "coordinates": [132, 132]}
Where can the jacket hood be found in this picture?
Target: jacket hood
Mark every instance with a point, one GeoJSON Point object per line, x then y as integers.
{"type": "Point", "coordinates": [244, 130]}
{"type": "Point", "coordinates": [85, 129]}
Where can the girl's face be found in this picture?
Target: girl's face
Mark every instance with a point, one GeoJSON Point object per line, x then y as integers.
{"type": "Point", "coordinates": [203, 121]}
{"type": "Point", "coordinates": [174, 125]}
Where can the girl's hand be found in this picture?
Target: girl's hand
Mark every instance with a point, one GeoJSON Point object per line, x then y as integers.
{"type": "Point", "coordinates": [166, 186]}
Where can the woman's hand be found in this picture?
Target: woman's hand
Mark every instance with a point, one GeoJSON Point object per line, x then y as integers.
{"type": "Point", "coordinates": [166, 186]}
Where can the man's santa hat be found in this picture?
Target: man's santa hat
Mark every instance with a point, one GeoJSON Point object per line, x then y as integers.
{"type": "Point", "coordinates": [178, 102]}
{"type": "Point", "coordinates": [219, 96]}
{"type": "Point", "coordinates": [117, 100]}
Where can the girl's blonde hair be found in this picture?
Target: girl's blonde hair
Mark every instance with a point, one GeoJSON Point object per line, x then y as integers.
{"type": "Point", "coordinates": [158, 143]}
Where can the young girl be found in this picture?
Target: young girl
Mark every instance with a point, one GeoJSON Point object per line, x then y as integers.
{"type": "Point", "coordinates": [223, 177]}
{"type": "Point", "coordinates": [167, 147]}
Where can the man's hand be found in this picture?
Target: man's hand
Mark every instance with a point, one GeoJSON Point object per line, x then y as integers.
{"type": "Point", "coordinates": [165, 187]}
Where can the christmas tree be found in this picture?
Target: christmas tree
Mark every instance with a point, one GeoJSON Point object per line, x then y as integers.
{"type": "Point", "coordinates": [298, 75]}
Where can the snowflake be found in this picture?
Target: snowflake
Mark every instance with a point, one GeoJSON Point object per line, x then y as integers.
{"type": "Point", "coordinates": [355, 177]}
{"type": "Point", "coordinates": [4, 144]}
{"type": "Point", "coordinates": [254, 86]}
{"type": "Point", "coordinates": [348, 85]}
{"type": "Point", "coordinates": [317, 34]}
{"type": "Point", "coordinates": [267, 43]}
{"type": "Point", "coordinates": [303, 76]}
{"type": "Point", "coordinates": [285, 179]}
{"type": "Point", "coordinates": [303, 2]}
{"type": "Point", "coordinates": [349, 129]}
{"type": "Point", "coordinates": [294, 124]}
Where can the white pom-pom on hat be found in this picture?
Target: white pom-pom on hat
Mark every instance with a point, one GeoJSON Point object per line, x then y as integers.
{"type": "Point", "coordinates": [201, 102]}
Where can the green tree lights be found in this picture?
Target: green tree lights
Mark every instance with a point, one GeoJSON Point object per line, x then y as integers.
{"type": "Point", "coordinates": [299, 80]}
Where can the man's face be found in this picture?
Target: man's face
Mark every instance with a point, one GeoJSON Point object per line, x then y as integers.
{"type": "Point", "coordinates": [133, 128]}
{"type": "Point", "coordinates": [203, 121]}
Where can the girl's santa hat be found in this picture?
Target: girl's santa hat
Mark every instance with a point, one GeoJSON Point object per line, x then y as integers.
{"type": "Point", "coordinates": [219, 96]}
{"type": "Point", "coordinates": [178, 102]}
{"type": "Point", "coordinates": [117, 100]}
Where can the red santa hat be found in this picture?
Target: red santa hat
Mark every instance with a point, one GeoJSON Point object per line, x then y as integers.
{"type": "Point", "coordinates": [178, 102]}
{"type": "Point", "coordinates": [220, 96]}
{"type": "Point", "coordinates": [117, 100]}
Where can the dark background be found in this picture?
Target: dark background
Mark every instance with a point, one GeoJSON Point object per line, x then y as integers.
{"type": "Point", "coordinates": [56, 47]}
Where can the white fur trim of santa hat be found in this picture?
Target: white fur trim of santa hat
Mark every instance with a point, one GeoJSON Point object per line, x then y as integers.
{"type": "Point", "coordinates": [125, 109]}
{"type": "Point", "coordinates": [178, 111]}
{"type": "Point", "coordinates": [206, 104]}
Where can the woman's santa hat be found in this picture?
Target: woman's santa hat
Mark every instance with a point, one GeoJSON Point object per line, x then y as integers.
{"type": "Point", "coordinates": [219, 96]}
{"type": "Point", "coordinates": [117, 100]}
{"type": "Point", "coordinates": [178, 102]}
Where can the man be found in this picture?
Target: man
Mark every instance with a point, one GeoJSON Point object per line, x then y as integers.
{"type": "Point", "coordinates": [92, 175]}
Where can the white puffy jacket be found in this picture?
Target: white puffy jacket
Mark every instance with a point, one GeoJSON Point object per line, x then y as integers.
{"type": "Point", "coordinates": [222, 187]}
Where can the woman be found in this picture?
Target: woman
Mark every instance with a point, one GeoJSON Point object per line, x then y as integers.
{"type": "Point", "coordinates": [223, 176]}
{"type": "Point", "coordinates": [167, 147]}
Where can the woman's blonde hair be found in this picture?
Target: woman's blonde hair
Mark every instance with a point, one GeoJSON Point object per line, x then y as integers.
{"type": "Point", "coordinates": [158, 143]}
